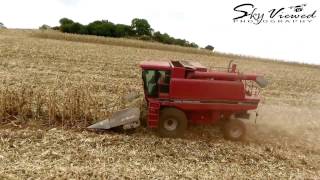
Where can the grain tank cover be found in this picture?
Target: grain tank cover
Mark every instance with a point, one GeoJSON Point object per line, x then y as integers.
{"type": "Point", "coordinates": [191, 65]}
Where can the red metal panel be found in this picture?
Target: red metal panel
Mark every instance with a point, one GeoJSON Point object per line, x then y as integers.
{"type": "Point", "coordinates": [214, 107]}
{"type": "Point", "coordinates": [206, 89]}
{"type": "Point", "coordinates": [215, 75]}
{"type": "Point", "coordinates": [178, 72]}
{"type": "Point", "coordinates": [211, 106]}
{"type": "Point", "coordinates": [203, 117]}
{"type": "Point", "coordinates": [156, 65]}
{"type": "Point", "coordinates": [232, 76]}
{"type": "Point", "coordinates": [198, 112]}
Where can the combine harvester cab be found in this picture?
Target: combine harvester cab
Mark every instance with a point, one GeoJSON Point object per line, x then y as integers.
{"type": "Point", "coordinates": [182, 93]}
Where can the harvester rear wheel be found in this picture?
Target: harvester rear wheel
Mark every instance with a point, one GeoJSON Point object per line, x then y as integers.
{"type": "Point", "coordinates": [234, 129]}
{"type": "Point", "coordinates": [173, 123]}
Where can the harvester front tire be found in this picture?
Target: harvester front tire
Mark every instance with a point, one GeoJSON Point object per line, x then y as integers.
{"type": "Point", "coordinates": [234, 130]}
{"type": "Point", "coordinates": [173, 123]}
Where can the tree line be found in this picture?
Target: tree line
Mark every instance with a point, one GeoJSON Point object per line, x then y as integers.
{"type": "Point", "coordinates": [139, 28]}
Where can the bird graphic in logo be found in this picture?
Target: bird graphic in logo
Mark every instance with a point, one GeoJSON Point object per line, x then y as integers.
{"type": "Point", "coordinates": [298, 8]}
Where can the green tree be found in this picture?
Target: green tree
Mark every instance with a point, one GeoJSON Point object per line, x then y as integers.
{"type": "Point", "coordinates": [122, 30]}
{"type": "Point", "coordinates": [167, 39]}
{"type": "Point", "coordinates": [66, 25]}
{"type": "Point", "coordinates": [157, 36]}
{"type": "Point", "coordinates": [101, 28]}
{"type": "Point", "coordinates": [69, 26]}
{"type": "Point", "coordinates": [83, 30]}
{"type": "Point", "coordinates": [141, 27]}
{"type": "Point", "coordinates": [164, 38]}
{"type": "Point", "coordinates": [65, 21]}
{"type": "Point", "coordinates": [65, 28]}
{"type": "Point", "coordinates": [75, 28]}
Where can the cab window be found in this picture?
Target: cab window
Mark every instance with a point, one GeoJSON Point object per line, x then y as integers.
{"type": "Point", "coordinates": [155, 81]}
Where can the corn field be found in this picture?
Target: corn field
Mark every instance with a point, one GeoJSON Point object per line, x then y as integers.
{"type": "Point", "coordinates": [53, 85]}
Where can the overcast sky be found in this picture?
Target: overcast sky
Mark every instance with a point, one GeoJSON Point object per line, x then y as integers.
{"type": "Point", "coordinates": [204, 22]}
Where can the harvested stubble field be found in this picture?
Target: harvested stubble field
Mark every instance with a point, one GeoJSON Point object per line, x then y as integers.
{"type": "Point", "coordinates": [53, 85]}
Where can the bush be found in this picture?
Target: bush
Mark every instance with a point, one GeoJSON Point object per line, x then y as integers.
{"type": "Point", "coordinates": [145, 38]}
{"type": "Point", "coordinates": [165, 38]}
{"type": "Point", "coordinates": [56, 28]}
{"type": "Point", "coordinates": [180, 42]}
{"type": "Point", "coordinates": [2, 26]}
{"type": "Point", "coordinates": [194, 45]}
{"type": "Point", "coordinates": [209, 47]}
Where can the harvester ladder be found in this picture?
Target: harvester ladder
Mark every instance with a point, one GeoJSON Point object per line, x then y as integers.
{"type": "Point", "coordinates": [153, 114]}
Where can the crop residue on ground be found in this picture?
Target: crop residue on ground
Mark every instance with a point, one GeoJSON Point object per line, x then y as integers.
{"type": "Point", "coordinates": [69, 84]}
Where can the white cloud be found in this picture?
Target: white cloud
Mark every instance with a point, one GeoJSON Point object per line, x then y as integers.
{"type": "Point", "coordinates": [70, 3]}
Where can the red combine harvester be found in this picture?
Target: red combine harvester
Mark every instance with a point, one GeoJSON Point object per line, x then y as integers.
{"type": "Point", "coordinates": [179, 93]}
{"type": "Point", "coordinates": [182, 93]}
